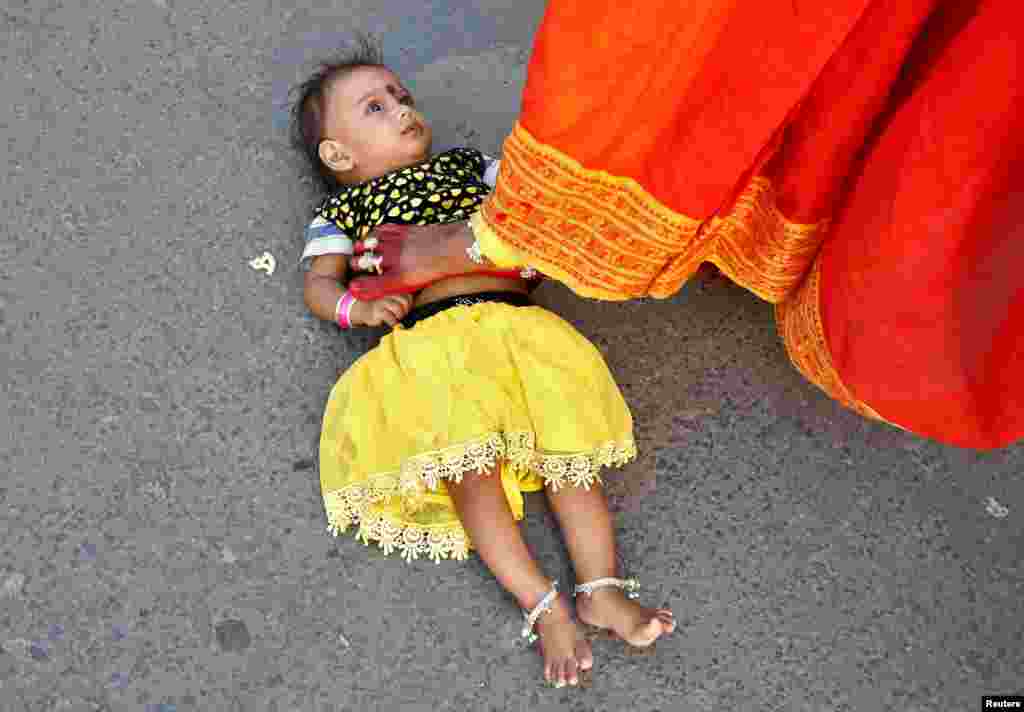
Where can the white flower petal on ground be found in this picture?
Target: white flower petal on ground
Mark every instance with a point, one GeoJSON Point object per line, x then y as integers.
{"type": "Point", "coordinates": [993, 507]}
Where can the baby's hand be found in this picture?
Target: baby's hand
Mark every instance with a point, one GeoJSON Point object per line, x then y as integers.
{"type": "Point", "coordinates": [385, 310]}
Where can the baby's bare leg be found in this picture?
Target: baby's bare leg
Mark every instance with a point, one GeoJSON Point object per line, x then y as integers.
{"type": "Point", "coordinates": [484, 513]}
{"type": "Point", "coordinates": [589, 534]}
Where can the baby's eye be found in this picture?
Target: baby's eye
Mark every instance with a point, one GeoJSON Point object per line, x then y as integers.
{"type": "Point", "coordinates": [372, 104]}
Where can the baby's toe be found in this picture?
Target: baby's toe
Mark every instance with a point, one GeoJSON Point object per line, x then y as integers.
{"type": "Point", "coordinates": [572, 669]}
{"type": "Point", "coordinates": [559, 677]}
{"type": "Point", "coordinates": [585, 657]}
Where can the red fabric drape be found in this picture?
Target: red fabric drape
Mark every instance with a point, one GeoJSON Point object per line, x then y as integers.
{"type": "Point", "coordinates": [876, 147]}
{"type": "Point", "coordinates": [922, 277]}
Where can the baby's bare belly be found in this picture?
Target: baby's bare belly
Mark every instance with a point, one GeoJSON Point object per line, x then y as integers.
{"type": "Point", "coordinates": [468, 284]}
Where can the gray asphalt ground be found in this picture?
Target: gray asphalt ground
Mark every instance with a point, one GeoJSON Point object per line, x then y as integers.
{"type": "Point", "coordinates": [163, 536]}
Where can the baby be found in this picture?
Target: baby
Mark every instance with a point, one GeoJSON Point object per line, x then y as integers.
{"type": "Point", "coordinates": [475, 396]}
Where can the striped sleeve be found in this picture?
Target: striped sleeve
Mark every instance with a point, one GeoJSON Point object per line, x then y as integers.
{"type": "Point", "coordinates": [491, 170]}
{"type": "Point", "coordinates": [323, 237]}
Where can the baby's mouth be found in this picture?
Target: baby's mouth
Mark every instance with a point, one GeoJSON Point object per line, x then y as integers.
{"type": "Point", "coordinates": [412, 129]}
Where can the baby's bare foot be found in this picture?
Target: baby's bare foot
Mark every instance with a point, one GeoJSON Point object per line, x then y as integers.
{"type": "Point", "coordinates": [609, 608]}
{"type": "Point", "coordinates": [565, 651]}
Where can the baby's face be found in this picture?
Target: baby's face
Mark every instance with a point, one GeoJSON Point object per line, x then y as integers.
{"type": "Point", "coordinates": [373, 115]}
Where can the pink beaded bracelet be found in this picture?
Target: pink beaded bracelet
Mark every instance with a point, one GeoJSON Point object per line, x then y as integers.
{"type": "Point", "coordinates": [343, 310]}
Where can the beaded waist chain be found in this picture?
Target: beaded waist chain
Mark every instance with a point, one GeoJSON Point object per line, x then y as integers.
{"type": "Point", "coordinates": [516, 299]}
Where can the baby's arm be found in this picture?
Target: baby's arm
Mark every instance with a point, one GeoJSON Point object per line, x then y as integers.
{"type": "Point", "coordinates": [322, 289]}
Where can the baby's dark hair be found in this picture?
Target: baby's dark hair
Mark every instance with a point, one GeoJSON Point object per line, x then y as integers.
{"type": "Point", "coordinates": [307, 129]}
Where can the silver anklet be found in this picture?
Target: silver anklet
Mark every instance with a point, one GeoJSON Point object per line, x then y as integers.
{"type": "Point", "coordinates": [531, 617]}
{"type": "Point", "coordinates": [631, 585]}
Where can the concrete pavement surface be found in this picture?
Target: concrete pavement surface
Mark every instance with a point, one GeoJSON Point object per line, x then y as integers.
{"type": "Point", "coordinates": [163, 536]}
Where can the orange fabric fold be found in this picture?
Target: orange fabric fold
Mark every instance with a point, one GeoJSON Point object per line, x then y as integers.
{"type": "Point", "coordinates": [784, 141]}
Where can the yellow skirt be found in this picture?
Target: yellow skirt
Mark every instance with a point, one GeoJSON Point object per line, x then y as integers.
{"type": "Point", "coordinates": [472, 390]}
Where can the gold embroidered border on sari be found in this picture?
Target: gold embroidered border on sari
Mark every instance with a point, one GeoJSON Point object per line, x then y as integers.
{"type": "Point", "coordinates": [607, 238]}
{"type": "Point", "coordinates": [799, 324]}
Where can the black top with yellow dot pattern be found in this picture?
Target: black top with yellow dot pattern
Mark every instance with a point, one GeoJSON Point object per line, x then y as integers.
{"type": "Point", "coordinates": [447, 188]}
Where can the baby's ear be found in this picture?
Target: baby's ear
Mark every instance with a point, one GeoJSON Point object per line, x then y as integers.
{"type": "Point", "coordinates": [336, 156]}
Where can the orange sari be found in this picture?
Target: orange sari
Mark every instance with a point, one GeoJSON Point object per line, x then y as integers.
{"type": "Point", "coordinates": [855, 163]}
